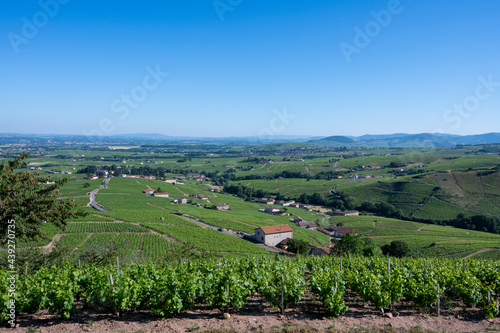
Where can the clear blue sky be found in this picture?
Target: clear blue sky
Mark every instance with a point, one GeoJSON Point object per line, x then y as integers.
{"type": "Point", "coordinates": [228, 77]}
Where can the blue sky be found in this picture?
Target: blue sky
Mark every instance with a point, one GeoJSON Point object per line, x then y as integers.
{"type": "Point", "coordinates": [251, 67]}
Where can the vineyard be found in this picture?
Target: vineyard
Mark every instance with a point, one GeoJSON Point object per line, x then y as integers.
{"type": "Point", "coordinates": [430, 285]}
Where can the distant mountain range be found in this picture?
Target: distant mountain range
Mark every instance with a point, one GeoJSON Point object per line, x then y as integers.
{"type": "Point", "coordinates": [137, 138]}
{"type": "Point", "coordinates": [404, 140]}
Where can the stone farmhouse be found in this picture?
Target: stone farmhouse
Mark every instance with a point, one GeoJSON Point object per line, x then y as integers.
{"type": "Point", "coordinates": [273, 235]}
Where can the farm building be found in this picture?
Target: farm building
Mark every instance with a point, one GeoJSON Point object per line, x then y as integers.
{"type": "Point", "coordinates": [148, 191]}
{"type": "Point", "coordinates": [265, 201]}
{"type": "Point", "coordinates": [161, 194]}
{"type": "Point", "coordinates": [274, 234]}
{"type": "Point", "coordinates": [319, 251]}
{"type": "Point", "coordinates": [224, 206]}
{"type": "Point", "coordinates": [344, 213]}
{"type": "Point", "coordinates": [307, 225]}
{"type": "Point", "coordinates": [340, 231]}
{"type": "Point", "coordinates": [326, 231]}
{"type": "Point", "coordinates": [171, 181]}
{"type": "Point", "coordinates": [337, 232]}
{"type": "Point", "coordinates": [202, 196]}
{"type": "Point", "coordinates": [283, 244]}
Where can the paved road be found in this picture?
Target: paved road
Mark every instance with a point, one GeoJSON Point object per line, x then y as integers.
{"type": "Point", "coordinates": [228, 233]}
{"type": "Point", "coordinates": [333, 190]}
{"type": "Point", "coordinates": [93, 201]}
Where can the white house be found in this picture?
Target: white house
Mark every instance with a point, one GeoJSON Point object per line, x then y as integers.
{"type": "Point", "coordinates": [274, 234]}
{"type": "Point", "coordinates": [161, 194]}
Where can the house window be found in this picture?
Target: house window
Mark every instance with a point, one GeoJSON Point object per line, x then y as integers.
{"type": "Point", "coordinates": [262, 238]}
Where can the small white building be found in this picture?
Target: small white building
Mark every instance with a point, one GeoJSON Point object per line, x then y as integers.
{"type": "Point", "coordinates": [274, 234]}
{"type": "Point", "coordinates": [344, 213]}
{"type": "Point", "coordinates": [161, 194]}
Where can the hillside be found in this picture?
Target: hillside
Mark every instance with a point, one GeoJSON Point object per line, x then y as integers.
{"type": "Point", "coordinates": [139, 227]}
{"type": "Point", "coordinates": [435, 195]}
{"type": "Point", "coordinates": [434, 184]}
{"type": "Point", "coordinates": [408, 140]}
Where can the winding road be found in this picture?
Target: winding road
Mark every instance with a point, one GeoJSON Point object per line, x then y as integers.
{"type": "Point", "coordinates": [93, 201]}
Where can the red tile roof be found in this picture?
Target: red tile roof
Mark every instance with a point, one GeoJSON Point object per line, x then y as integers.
{"type": "Point", "coordinates": [274, 229]}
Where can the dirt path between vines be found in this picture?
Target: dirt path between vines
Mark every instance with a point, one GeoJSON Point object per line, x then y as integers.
{"type": "Point", "coordinates": [420, 229]}
{"type": "Point", "coordinates": [480, 251]}
{"type": "Point", "coordinates": [178, 189]}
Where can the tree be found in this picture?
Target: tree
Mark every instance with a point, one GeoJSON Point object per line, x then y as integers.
{"type": "Point", "coordinates": [397, 249]}
{"type": "Point", "coordinates": [86, 185]}
{"type": "Point", "coordinates": [29, 201]}
{"type": "Point", "coordinates": [298, 246]}
{"type": "Point", "coordinates": [351, 243]}
{"type": "Point", "coordinates": [158, 189]}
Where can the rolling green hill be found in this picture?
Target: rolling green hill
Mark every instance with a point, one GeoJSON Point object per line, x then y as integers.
{"type": "Point", "coordinates": [437, 195]}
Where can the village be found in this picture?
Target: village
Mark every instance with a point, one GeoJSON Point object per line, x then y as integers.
{"type": "Point", "coordinates": [274, 236]}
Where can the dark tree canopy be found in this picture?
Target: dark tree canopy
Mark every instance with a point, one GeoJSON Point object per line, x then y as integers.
{"type": "Point", "coordinates": [298, 246]}
{"type": "Point", "coordinates": [396, 249]}
{"type": "Point", "coordinates": [349, 244]}
{"type": "Point", "coordinates": [29, 200]}
{"type": "Point", "coordinates": [355, 244]}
